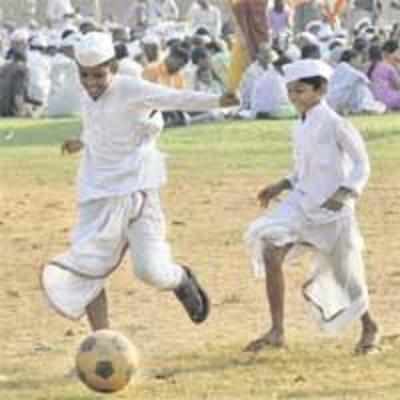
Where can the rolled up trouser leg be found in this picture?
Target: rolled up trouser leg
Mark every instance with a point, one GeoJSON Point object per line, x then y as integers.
{"type": "Point", "coordinates": [151, 253]}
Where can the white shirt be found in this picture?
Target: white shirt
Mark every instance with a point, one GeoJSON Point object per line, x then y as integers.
{"type": "Point", "coordinates": [161, 11]}
{"type": "Point", "coordinates": [64, 98]}
{"type": "Point", "coordinates": [39, 76]}
{"type": "Point", "coordinates": [329, 153]}
{"type": "Point", "coordinates": [120, 155]}
{"type": "Point", "coordinates": [252, 73]}
{"type": "Point", "coordinates": [269, 93]}
{"type": "Point", "coordinates": [210, 19]}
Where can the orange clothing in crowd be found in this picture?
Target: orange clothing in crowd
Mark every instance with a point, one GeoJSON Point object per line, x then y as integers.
{"type": "Point", "coordinates": [158, 73]}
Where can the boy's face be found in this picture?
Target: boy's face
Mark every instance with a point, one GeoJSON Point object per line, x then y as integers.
{"type": "Point", "coordinates": [96, 79]}
{"type": "Point", "coordinates": [304, 96]}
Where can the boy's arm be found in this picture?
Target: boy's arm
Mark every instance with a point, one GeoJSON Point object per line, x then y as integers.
{"type": "Point", "coordinates": [352, 143]}
{"type": "Point", "coordinates": [157, 97]}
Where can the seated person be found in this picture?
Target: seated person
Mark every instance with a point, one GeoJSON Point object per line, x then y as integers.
{"type": "Point", "coordinates": [254, 71]}
{"type": "Point", "coordinates": [385, 76]}
{"type": "Point", "coordinates": [169, 73]}
{"type": "Point", "coordinates": [349, 88]}
{"type": "Point", "coordinates": [269, 97]}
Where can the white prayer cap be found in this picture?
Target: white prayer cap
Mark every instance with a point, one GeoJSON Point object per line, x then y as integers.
{"type": "Point", "coordinates": [293, 52]}
{"type": "Point", "coordinates": [341, 33]}
{"type": "Point", "coordinates": [309, 37]}
{"type": "Point", "coordinates": [39, 40]}
{"type": "Point", "coordinates": [362, 23]}
{"type": "Point", "coordinates": [314, 26]}
{"type": "Point", "coordinates": [151, 39]}
{"type": "Point", "coordinates": [94, 49]}
{"type": "Point", "coordinates": [325, 33]}
{"type": "Point", "coordinates": [71, 40]}
{"type": "Point", "coordinates": [20, 35]}
{"type": "Point", "coordinates": [306, 69]}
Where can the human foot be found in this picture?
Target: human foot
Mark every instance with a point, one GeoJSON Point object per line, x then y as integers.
{"type": "Point", "coordinates": [273, 339]}
{"type": "Point", "coordinates": [370, 341]}
{"type": "Point", "coordinates": [193, 298]}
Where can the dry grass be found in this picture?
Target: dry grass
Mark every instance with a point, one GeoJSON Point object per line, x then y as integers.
{"type": "Point", "coordinates": [215, 173]}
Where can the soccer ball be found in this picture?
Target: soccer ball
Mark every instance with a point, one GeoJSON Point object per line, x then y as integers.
{"type": "Point", "coordinates": [106, 361]}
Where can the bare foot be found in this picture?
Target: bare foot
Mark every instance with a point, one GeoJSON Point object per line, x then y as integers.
{"type": "Point", "coordinates": [369, 342]}
{"type": "Point", "coordinates": [273, 339]}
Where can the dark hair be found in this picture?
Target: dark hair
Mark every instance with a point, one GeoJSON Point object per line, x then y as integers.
{"type": "Point", "coordinates": [121, 51]}
{"type": "Point", "coordinates": [180, 52]}
{"type": "Point", "coordinates": [390, 46]}
{"type": "Point", "coordinates": [282, 60]}
{"type": "Point", "coordinates": [348, 55]}
{"type": "Point", "coordinates": [360, 44]}
{"type": "Point", "coordinates": [66, 33]}
{"type": "Point", "coordinates": [375, 56]}
{"type": "Point", "coordinates": [317, 82]}
{"type": "Point", "coordinates": [202, 31]}
{"type": "Point", "coordinates": [197, 54]}
{"type": "Point", "coordinates": [311, 51]}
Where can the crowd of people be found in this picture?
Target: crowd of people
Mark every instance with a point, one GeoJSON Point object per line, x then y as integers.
{"type": "Point", "coordinates": [211, 51]}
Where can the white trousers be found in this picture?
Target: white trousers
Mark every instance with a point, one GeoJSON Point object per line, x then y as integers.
{"type": "Point", "coordinates": [336, 290]}
{"type": "Point", "coordinates": [107, 228]}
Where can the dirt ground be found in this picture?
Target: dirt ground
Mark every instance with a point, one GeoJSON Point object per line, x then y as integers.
{"type": "Point", "coordinates": [179, 360]}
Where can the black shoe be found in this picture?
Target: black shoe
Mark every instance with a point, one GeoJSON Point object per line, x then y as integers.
{"type": "Point", "coordinates": [193, 298]}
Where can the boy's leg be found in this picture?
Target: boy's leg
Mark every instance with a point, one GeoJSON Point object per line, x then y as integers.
{"type": "Point", "coordinates": [154, 265]}
{"type": "Point", "coordinates": [97, 312]}
{"type": "Point", "coordinates": [275, 288]}
{"type": "Point", "coordinates": [370, 336]}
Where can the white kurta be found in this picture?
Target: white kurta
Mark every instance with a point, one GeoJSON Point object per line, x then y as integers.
{"type": "Point", "coordinates": [120, 175]}
{"type": "Point", "coordinates": [329, 153]}
{"type": "Point", "coordinates": [39, 76]}
{"type": "Point", "coordinates": [64, 98]}
{"type": "Point", "coordinates": [252, 73]}
{"type": "Point", "coordinates": [120, 154]}
{"type": "Point", "coordinates": [269, 94]}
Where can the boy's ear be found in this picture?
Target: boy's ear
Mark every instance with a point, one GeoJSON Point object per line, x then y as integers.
{"type": "Point", "coordinates": [114, 67]}
{"type": "Point", "coordinates": [324, 88]}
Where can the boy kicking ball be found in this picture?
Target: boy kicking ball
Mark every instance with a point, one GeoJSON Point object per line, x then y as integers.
{"type": "Point", "coordinates": [330, 171]}
{"type": "Point", "coordinates": [120, 176]}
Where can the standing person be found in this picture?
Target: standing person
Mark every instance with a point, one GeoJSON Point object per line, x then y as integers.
{"type": "Point", "coordinates": [306, 11]}
{"type": "Point", "coordinates": [331, 170]}
{"type": "Point", "coordinates": [279, 18]}
{"type": "Point", "coordinates": [251, 32]}
{"type": "Point", "coordinates": [119, 181]}
{"type": "Point", "coordinates": [202, 14]}
{"type": "Point", "coordinates": [14, 84]}
{"type": "Point", "coordinates": [361, 9]}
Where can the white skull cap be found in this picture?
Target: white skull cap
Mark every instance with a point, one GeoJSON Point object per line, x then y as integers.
{"type": "Point", "coordinates": [306, 69]}
{"type": "Point", "coordinates": [95, 48]}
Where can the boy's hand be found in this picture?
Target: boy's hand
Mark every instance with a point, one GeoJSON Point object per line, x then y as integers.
{"type": "Point", "coordinates": [268, 193]}
{"type": "Point", "coordinates": [71, 146]}
{"type": "Point", "coordinates": [229, 100]}
{"type": "Point", "coordinates": [337, 200]}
